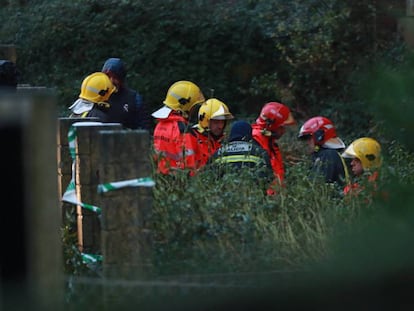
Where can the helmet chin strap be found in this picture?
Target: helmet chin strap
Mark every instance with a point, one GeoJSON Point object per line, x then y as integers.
{"type": "Point", "coordinates": [183, 113]}
{"type": "Point", "coordinates": [103, 105]}
{"type": "Point", "coordinates": [268, 133]}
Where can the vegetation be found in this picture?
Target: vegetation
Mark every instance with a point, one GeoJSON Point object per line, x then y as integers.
{"type": "Point", "coordinates": [246, 52]}
{"type": "Point", "coordinates": [341, 59]}
{"type": "Point", "coordinates": [231, 225]}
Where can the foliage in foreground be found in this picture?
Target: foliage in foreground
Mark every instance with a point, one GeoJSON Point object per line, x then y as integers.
{"type": "Point", "coordinates": [207, 225]}
{"type": "Point", "coordinates": [227, 232]}
{"type": "Point", "coordinates": [230, 225]}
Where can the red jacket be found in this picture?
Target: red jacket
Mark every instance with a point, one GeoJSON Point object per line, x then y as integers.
{"type": "Point", "coordinates": [368, 191]}
{"type": "Point", "coordinates": [169, 143]}
{"type": "Point", "coordinates": [276, 160]}
{"type": "Point", "coordinates": [203, 145]}
{"type": "Point", "coordinates": [355, 188]}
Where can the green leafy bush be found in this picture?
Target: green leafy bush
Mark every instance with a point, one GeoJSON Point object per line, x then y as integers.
{"type": "Point", "coordinates": [245, 52]}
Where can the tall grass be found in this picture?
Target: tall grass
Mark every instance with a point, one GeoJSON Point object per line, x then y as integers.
{"type": "Point", "coordinates": [230, 224]}
{"type": "Point", "coordinates": [206, 224]}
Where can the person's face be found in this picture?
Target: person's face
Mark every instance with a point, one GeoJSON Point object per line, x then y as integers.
{"type": "Point", "coordinates": [356, 167]}
{"type": "Point", "coordinates": [217, 127]}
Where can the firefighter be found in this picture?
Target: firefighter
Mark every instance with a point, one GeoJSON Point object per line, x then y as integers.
{"type": "Point", "coordinates": [171, 125]}
{"type": "Point", "coordinates": [268, 128]}
{"type": "Point", "coordinates": [325, 147]}
{"type": "Point", "coordinates": [95, 91]}
{"type": "Point", "coordinates": [205, 137]}
{"type": "Point", "coordinates": [365, 153]}
{"type": "Point", "coordinates": [242, 153]}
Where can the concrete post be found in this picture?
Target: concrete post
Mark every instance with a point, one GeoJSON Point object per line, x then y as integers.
{"type": "Point", "coordinates": [31, 257]}
{"type": "Point", "coordinates": [126, 238]}
{"type": "Point", "coordinates": [87, 179]}
{"type": "Point", "coordinates": [64, 160]}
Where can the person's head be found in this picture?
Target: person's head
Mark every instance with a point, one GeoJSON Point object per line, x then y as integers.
{"type": "Point", "coordinates": [9, 74]}
{"type": "Point", "coordinates": [182, 96]}
{"type": "Point", "coordinates": [97, 88]}
{"type": "Point", "coordinates": [273, 118]}
{"type": "Point", "coordinates": [213, 116]}
{"type": "Point", "coordinates": [320, 132]}
{"type": "Point", "coordinates": [116, 71]}
{"type": "Point", "coordinates": [365, 153]}
{"type": "Point", "coordinates": [240, 130]}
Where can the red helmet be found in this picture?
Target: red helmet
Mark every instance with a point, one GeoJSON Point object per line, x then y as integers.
{"type": "Point", "coordinates": [319, 128]}
{"type": "Point", "coordinates": [274, 115]}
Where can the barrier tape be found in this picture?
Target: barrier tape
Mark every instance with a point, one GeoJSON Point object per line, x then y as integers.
{"type": "Point", "coordinates": [90, 258]}
{"type": "Point", "coordinates": [139, 182]}
{"type": "Point", "coordinates": [70, 195]}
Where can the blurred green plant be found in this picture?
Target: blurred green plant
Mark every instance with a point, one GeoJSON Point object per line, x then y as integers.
{"type": "Point", "coordinates": [249, 52]}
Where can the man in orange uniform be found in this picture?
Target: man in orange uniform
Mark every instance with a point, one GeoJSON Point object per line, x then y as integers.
{"type": "Point", "coordinates": [365, 153]}
{"type": "Point", "coordinates": [269, 127]}
{"type": "Point", "coordinates": [172, 122]}
{"type": "Point", "coordinates": [205, 137]}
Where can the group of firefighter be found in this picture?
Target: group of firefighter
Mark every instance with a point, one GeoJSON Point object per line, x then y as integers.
{"type": "Point", "coordinates": [181, 145]}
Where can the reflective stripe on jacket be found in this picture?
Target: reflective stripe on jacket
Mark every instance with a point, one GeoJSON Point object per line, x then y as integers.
{"type": "Point", "coordinates": [244, 154]}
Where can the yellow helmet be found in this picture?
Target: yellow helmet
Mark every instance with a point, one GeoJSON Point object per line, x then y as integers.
{"type": "Point", "coordinates": [367, 150]}
{"type": "Point", "coordinates": [97, 87]}
{"type": "Point", "coordinates": [213, 109]}
{"type": "Point", "coordinates": [183, 95]}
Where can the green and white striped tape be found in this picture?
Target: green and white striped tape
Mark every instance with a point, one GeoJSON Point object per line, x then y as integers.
{"type": "Point", "coordinates": [91, 258]}
{"type": "Point", "coordinates": [70, 195]}
{"type": "Point", "coordinates": [138, 182]}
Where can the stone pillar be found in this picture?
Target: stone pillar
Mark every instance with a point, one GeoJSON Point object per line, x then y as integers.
{"type": "Point", "coordinates": [31, 258]}
{"type": "Point", "coordinates": [64, 160]}
{"type": "Point", "coordinates": [87, 179]}
{"type": "Point", "coordinates": [126, 238]}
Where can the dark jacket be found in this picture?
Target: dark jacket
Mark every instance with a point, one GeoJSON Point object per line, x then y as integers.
{"type": "Point", "coordinates": [328, 164]}
{"type": "Point", "coordinates": [242, 152]}
{"type": "Point", "coordinates": [127, 105]}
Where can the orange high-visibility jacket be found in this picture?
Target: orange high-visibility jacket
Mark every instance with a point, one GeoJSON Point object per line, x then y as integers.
{"type": "Point", "coordinates": [169, 143]}
{"type": "Point", "coordinates": [203, 145]}
{"type": "Point", "coordinates": [356, 188]}
{"type": "Point", "coordinates": [269, 144]}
